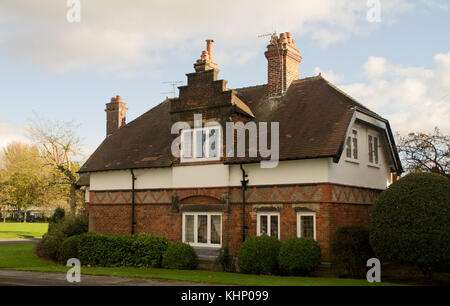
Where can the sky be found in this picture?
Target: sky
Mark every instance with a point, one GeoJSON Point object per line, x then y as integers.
{"type": "Point", "coordinates": [396, 63]}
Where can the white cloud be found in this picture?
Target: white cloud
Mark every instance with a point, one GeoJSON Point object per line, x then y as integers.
{"type": "Point", "coordinates": [412, 98]}
{"type": "Point", "coordinates": [329, 75]}
{"type": "Point", "coordinates": [10, 133]}
{"type": "Point", "coordinates": [117, 35]}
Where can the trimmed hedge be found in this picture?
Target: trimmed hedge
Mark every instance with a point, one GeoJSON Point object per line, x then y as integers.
{"type": "Point", "coordinates": [69, 249]}
{"type": "Point", "coordinates": [299, 256]}
{"type": "Point", "coordinates": [411, 220]}
{"type": "Point", "coordinates": [259, 255]}
{"type": "Point", "coordinates": [180, 256]}
{"type": "Point", "coordinates": [113, 250]}
{"type": "Point", "coordinates": [350, 248]}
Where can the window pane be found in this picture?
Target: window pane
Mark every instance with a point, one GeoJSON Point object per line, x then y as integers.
{"type": "Point", "coordinates": [263, 225]}
{"type": "Point", "coordinates": [370, 149]}
{"type": "Point", "coordinates": [349, 147]}
{"type": "Point", "coordinates": [202, 229]}
{"type": "Point", "coordinates": [274, 226]}
{"type": "Point", "coordinates": [213, 139]}
{"type": "Point", "coordinates": [355, 148]}
{"type": "Point", "coordinates": [216, 229]}
{"type": "Point", "coordinates": [189, 228]}
{"type": "Point", "coordinates": [307, 226]}
{"type": "Point", "coordinates": [375, 149]}
{"type": "Point", "coordinates": [199, 143]}
{"type": "Point", "coordinates": [186, 144]}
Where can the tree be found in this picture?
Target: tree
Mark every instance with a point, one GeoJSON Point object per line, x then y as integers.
{"type": "Point", "coordinates": [426, 152]}
{"type": "Point", "coordinates": [58, 144]}
{"type": "Point", "coordinates": [22, 176]}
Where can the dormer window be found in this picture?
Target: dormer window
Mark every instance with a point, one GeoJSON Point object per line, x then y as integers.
{"type": "Point", "coordinates": [352, 146]}
{"type": "Point", "coordinates": [373, 150]}
{"type": "Point", "coordinates": [200, 144]}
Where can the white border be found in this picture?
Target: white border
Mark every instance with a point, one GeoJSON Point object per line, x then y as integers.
{"type": "Point", "coordinates": [299, 214]}
{"type": "Point", "coordinates": [208, 243]}
{"type": "Point", "coordinates": [258, 215]}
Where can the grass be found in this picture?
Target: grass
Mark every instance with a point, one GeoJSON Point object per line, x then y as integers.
{"type": "Point", "coordinates": [22, 230]}
{"type": "Point", "coordinates": [21, 257]}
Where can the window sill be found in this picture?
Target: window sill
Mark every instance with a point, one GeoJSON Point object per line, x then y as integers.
{"type": "Point", "coordinates": [374, 166]}
{"type": "Point", "coordinates": [353, 161]}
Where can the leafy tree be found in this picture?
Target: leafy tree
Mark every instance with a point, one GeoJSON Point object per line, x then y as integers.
{"type": "Point", "coordinates": [426, 152]}
{"type": "Point", "coordinates": [22, 179]}
{"type": "Point", "coordinates": [58, 144]}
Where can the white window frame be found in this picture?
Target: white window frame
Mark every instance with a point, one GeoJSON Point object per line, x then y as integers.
{"type": "Point", "coordinates": [268, 214]}
{"type": "Point", "coordinates": [299, 215]}
{"type": "Point", "coordinates": [208, 243]}
{"type": "Point", "coordinates": [373, 164]}
{"type": "Point", "coordinates": [194, 131]}
{"type": "Point", "coordinates": [352, 149]}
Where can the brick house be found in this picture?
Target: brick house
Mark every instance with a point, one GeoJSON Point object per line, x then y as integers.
{"type": "Point", "coordinates": [335, 157]}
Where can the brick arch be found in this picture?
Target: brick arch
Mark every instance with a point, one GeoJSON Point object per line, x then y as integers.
{"type": "Point", "coordinates": [200, 200]}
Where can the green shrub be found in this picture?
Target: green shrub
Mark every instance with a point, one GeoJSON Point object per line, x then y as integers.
{"type": "Point", "coordinates": [51, 242]}
{"type": "Point", "coordinates": [57, 216]}
{"type": "Point", "coordinates": [258, 255]}
{"type": "Point", "coordinates": [350, 248]}
{"type": "Point", "coordinates": [48, 247]}
{"type": "Point", "coordinates": [180, 256]}
{"type": "Point", "coordinates": [112, 250]}
{"type": "Point", "coordinates": [69, 249]}
{"type": "Point", "coordinates": [411, 220]}
{"type": "Point", "coordinates": [299, 256]}
{"type": "Point", "coordinates": [225, 260]}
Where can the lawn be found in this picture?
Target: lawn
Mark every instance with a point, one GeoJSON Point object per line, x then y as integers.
{"type": "Point", "coordinates": [22, 230]}
{"type": "Point", "coordinates": [21, 257]}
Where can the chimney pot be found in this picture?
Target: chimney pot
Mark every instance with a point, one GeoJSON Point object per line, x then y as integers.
{"type": "Point", "coordinates": [209, 48]}
{"type": "Point", "coordinates": [116, 112]}
{"type": "Point", "coordinates": [283, 64]}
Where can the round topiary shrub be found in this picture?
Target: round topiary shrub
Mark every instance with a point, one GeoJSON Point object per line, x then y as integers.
{"type": "Point", "coordinates": [350, 248]}
{"type": "Point", "coordinates": [180, 256]}
{"type": "Point", "coordinates": [299, 256]}
{"type": "Point", "coordinates": [411, 220]}
{"type": "Point", "coordinates": [259, 255]}
{"type": "Point", "coordinates": [69, 249]}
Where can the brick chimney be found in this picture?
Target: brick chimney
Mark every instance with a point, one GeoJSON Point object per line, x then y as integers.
{"type": "Point", "coordinates": [283, 60]}
{"type": "Point", "coordinates": [206, 58]}
{"type": "Point", "coordinates": [116, 112]}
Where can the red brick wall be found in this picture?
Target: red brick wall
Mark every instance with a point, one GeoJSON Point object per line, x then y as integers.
{"type": "Point", "coordinates": [337, 206]}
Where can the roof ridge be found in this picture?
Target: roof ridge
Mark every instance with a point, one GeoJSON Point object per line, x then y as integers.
{"type": "Point", "coordinates": [248, 87]}
{"type": "Point", "coordinates": [347, 95]}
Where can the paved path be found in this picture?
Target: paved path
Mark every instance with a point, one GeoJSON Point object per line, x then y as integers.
{"type": "Point", "coordinates": [27, 278]}
{"type": "Point", "coordinates": [4, 241]}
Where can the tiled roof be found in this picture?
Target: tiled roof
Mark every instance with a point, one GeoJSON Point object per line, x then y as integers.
{"type": "Point", "coordinates": [313, 114]}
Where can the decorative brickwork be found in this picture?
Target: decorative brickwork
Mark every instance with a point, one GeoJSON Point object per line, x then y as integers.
{"type": "Point", "coordinates": [335, 205]}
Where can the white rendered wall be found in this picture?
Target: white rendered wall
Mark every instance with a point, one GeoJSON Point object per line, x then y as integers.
{"type": "Point", "coordinates": [360, 173]}
{"type": "Point", "coordinates": [287, 172]}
